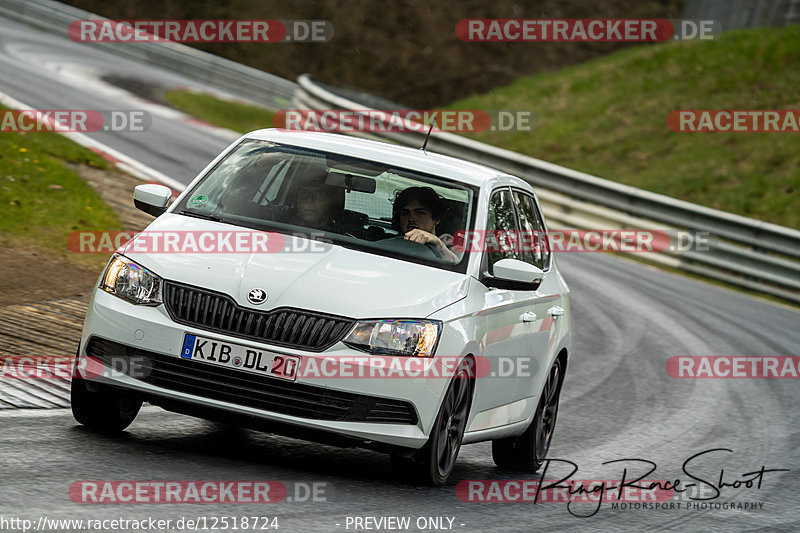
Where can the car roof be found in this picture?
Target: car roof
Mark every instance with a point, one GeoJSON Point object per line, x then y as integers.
{"type": "Point", "coordinates": [392, 154]}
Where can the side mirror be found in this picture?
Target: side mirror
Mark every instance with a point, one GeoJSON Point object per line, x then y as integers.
{"type": "Point", "coordinates": [151, 198]}
{"type": "Point", "coordinates": [515, 275]}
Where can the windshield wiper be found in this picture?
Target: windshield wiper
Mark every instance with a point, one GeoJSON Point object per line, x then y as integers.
{"type": "Point", "coordinates": [204, 216]}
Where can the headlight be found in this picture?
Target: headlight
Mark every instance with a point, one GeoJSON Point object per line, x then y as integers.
{"type": "Point", "coordinates": [131, 282]}
{"type": "Point", "coordinates": [416, 338]}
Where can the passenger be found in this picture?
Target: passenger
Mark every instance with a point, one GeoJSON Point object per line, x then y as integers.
{"type": "Point", "coordinates": [320, 206]}
{"type": "Point", "coordinates": [416, 213]}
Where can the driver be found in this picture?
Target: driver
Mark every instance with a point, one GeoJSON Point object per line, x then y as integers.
{"type": "Point", "coordinates": [416, 213]}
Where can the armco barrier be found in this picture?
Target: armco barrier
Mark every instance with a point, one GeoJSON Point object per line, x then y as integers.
{"type": "Point", "coordinates": [213, 71]}
{"type": "Point", "coordinates": [749, 253]}
{"type": "Point", "coordinates": [746, 252]}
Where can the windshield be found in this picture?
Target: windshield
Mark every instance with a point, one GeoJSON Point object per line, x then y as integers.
{"type": "Point", "coordinates": [356, 203]}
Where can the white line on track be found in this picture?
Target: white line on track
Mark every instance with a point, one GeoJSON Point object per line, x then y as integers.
{"type": "Point", "coordinates": [123, 161]}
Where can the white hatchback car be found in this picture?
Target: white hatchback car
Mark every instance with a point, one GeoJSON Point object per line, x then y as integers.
{"type": "Point", "coordinates": [340, 290]}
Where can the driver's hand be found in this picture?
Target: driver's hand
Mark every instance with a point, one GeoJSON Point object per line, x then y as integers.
{"type": "Point", "coordinates": [423, 237]}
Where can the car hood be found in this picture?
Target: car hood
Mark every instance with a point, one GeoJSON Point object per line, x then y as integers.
{"type": "Point", "coordinates": [325, 277]}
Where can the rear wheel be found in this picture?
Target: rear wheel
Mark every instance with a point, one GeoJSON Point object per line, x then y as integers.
{"type": "Point", "coordinates": [102, 410]}
{"type": "Point", "coordinates": [528, 451]}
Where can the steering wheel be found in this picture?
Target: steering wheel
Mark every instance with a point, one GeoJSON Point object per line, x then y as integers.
{"type": "Point", "coordinates": [435, 250]}
{"type": "Point", "coordinates": [406, 247]}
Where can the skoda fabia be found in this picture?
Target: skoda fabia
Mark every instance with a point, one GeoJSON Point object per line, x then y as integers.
{"type": "Point", "coordinates": [339, 290]}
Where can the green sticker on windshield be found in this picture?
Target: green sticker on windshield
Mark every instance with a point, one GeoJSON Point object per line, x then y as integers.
{"type": "Point", "coordinates": [198, 200]}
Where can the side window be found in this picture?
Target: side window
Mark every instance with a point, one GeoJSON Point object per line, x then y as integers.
{"type": "Point", "coordinates": [500, 226]}
{"type": "Point", "coordinates": [533, 241]}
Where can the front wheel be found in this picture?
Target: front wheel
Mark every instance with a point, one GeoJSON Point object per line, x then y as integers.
{"type": "Point", "coordinates": [437, 458]}
{"type": "Point", "coordinates": [102, 411]}
{"type": "Point", "coordinates": [527, 452]}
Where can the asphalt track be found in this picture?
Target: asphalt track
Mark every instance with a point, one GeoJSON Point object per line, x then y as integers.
{"type": "Point", "coordinates": [618, 401]}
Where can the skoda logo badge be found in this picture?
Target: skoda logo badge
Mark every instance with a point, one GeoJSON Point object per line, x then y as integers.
{"type": "Point", "coordinates": [257, 296]}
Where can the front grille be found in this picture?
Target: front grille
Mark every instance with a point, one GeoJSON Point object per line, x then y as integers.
{"type": "Point", "coordinates": [244, 388]}
{"type": "Point", "coordinates": [214, 311]}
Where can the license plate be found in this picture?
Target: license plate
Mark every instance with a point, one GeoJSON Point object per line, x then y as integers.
{"type": "Point", "coordinates": [215, 352]}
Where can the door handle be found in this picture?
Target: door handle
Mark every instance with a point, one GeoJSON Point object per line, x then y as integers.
{"type": "Point", "coordinates": [555, 311]}
{"type": "Point", "coordinates": [528, 316]}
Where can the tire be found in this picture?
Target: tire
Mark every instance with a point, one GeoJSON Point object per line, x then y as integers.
{"type": "Point", "coordinates": [102, 411]}
{"type": "Point", "coordinates": [528, 451]}
{"type": "Point", "coordinates": [433, 464]}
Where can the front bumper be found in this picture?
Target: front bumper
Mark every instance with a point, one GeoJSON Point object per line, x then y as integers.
{"type": "Point", "coordinates": [148, 335]}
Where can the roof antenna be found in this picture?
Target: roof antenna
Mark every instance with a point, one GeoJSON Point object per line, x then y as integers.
{"type": "Point", "coordinates": [428, 136]}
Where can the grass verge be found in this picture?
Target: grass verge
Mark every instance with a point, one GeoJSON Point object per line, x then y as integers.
{"type": "Point", "coordinates": [608, 117]}
{"type": "Point", "coordinates": [225, 114]}
{"type": "Point", "coordinates": [43, 201]}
